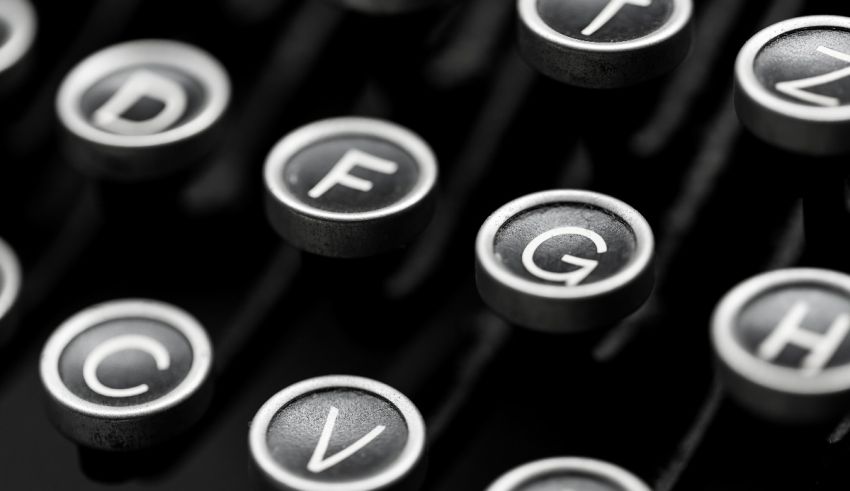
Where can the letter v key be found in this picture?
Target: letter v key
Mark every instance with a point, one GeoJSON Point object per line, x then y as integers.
{"type": "Point", "coordinates": [796, 88]}
{"type": "Point", "coordinates": [319, 463]}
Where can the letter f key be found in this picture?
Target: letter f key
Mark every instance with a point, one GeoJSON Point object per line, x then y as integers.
{"type": "Point", "coordinates": [341, 173]}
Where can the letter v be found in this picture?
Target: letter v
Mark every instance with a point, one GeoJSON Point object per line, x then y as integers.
{"type": "Point", "coordinates": [319, 463]}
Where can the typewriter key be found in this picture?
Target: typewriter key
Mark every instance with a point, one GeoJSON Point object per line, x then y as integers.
{"type": "Point", "coordinates": [793, 85]}
{"type": "Point", "coordinates": [337, 433]}
{"type": "Point", "coordinates": [350, 187]}
{"type": "Point", "coordinates": [782, 345]}
{"type": "Point", "coordinates": [604, 43]}
{"type": "Point", "coordinates": [10, 283]}
{"type": "Point", "coordinates": [126, 375]}
{"type": "Point", "coordinates": [565, 260]}
{"type": "Point", "coordinates": [142, 109]}
{"type": "Point", "coordinates": [17, 32]}
{"type": "Point", "coordinates": [568, 473]}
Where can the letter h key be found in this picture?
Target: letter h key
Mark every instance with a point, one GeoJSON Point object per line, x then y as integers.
{"type": "Point", "coordinates": [821, 347]}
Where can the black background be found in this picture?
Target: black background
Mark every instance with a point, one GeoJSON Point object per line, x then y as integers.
{"type": "Point", "coordinates": [723, 205]}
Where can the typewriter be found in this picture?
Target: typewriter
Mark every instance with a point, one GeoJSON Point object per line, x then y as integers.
{"type": "Point", "coordinates": [356, 245]}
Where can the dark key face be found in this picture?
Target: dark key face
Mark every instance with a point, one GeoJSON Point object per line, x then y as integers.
{"type": "Point", "coordinates": [565, 244]}
{"type": "Point", "coordinates": [808, 66]}
{"type": "Point", "coordinates": [365, 436]}
{"type": "Point", "coordinates": [5, 30]}
{"type": "Point", "coordinates": [569, 483]}
{"type": "Point", "coordinates": [565, 260]}
{"type": "Point", "coordinates": [143, 99]}
{"type": "Point", "coordinates": [787, 332]}
{"type": "Point", "coordinates": [803, 327]}
{"type": "Point", "coordinates": [337, 432]}
{"type": "Point", "coordinates": [606, 21]}
{"type": "Point", "coordinates": [568, 474]}
{"type": "Point", "coordinates": [142, 363]}
{"type": "Point", "coordinates": [126, 357]}
{"type": "Point", "coordinates": [142, 94]}
{"type": "Point", "coordinates": [351, 174]}
{"type": "Point", "coordinates": [350, 187]}
{"type": "Point", "coordinates": [792, 85]}
{"type": "Point", "coordinates": [126, 362]}
{"type": "Point", "coordinates": [604, 43]}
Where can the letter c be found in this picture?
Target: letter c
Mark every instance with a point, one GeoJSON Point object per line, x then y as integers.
{"type": "Point", "coordinates": [116, 345]}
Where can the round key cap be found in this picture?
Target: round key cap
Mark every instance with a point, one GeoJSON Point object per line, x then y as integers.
{"type": "Point", "coordinates": [350, 187]}
{"type": "Point", "coordinates": [793, 85]}
{"type": "Point", "coordinates": [17, 33]}
{"type": "Point", "coordinates": [126, 375]}
{"type": "Point", "coordinates": [337, 433]}
{"type": "Point", "coordinates": [782, 345]}
{"type": "Point", "coordinates": [10, 284]}
{"type": "Point", "coordinates": [568, 473]}
{"type": "Point", "coordinates": [604, 43]}
{"type": "Point", "coordinates": [565, 260]}
{"type": "Point", "coordinates": [142, 109]}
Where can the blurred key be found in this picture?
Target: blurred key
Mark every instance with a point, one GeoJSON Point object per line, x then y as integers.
{"type": "Point", "coordinates": [350, 187]}
{"type": "Point", "coordinates": [568, 474]}
{"type": "Point", "coordinates": [17, 32]}
{"type": "Point", "coordinates": [565, 260]}
{"type": "Point", "coordinates": [604, 43]}
{"type": "Point", "coordinates": [338, 433]}
{"type": "Point", "coordinates": [782, 345]}
{"type": "Point", "coordinates": [793, 85]}
{"type": "Point", "coordinates": [127, 375]}
{"type": "Point", "coordinates": [142, 109]}
{"type": "Point", "coordinates": [10, 285]}
{"type": "Point", "coordinates": [792, 90]}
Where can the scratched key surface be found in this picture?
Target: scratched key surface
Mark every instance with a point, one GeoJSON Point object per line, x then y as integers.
{"type": "Point", "coordinates": [641, 394]}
